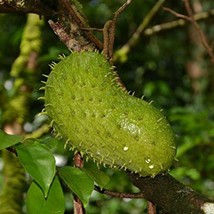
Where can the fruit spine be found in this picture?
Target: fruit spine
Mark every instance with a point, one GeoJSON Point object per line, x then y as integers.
{"type": "Point", "coordinates": [90, 109]}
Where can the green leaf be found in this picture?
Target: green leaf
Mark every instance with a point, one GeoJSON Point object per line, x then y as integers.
{"type": "Point", "coordinates": [50, 142]}
{"type": "Point", "coordinates": [53, 204]}
{"type": "Point", "coordinates": [38, 161]}
{"type": "Point", "coordinates": [78, 181]}
{"type": "Point", "coordinates": [7, 140]}
{"type": "Point", "coordinates": [95, 174]}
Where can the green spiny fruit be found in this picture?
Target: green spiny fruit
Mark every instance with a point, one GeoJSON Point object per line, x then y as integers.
{"type": "Point", "coordinates": [89, 107]}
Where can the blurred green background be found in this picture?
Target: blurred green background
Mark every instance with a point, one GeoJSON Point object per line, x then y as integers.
{"type": "Point", "coordinates": [169, 67]}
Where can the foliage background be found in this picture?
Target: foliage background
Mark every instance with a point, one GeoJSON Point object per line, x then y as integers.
{"type": "Point", "coordinates": [170, 67]}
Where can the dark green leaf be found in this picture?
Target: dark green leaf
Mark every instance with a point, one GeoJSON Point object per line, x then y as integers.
{"type": "Point", "coordinates": [38, 161]}
{"type": "Point", "coordinates": [95, 174]}
{"type": "Point", "coordinates": [53, 204]}
{"type": "Point", "coordinates": [7, 140]}
{"type": "Point", "coordinates": [78, 181]}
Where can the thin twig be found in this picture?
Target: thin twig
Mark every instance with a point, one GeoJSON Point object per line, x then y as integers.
{"type": "Point", "coordinates": [118, 194]}
{"type": "Point", "coordinates": [178, 15]}
{"type": "Point", "coordinates": [80, 21]}
{"type": "Point", "coordinates": [190, 18]}
{"type": "Point", "coordinates": [198, 29]}
{"type": "Point", "coordinates": [109, 31]}
{"type": "Point", "coordinates": [120, 10]}
{"type": "Point", "coordinates": [176, 23]}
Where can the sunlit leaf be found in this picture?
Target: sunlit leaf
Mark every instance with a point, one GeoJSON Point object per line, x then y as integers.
{"type": "Point", "coordinates": [7, 140]}
{"type": "Point", "coordinates": [78, 181]}
{"type": "Point", "coordinates": [53, 204]}
{"type": "Point", "coordinates": [38, 161]}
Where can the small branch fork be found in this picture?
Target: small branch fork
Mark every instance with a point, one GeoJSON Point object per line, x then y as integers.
{"type": "Point", "coordinates": [109, 31]}
{"type": "Point", "coordinates": [118, 194]}
{"type": "Point", "coordinates": [151, 208]}
{"type": "Point", "coordinates": [190, 18]}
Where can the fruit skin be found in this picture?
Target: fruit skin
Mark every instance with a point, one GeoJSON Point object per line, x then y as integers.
{"type": "Point", "coordinates": [90, 109]}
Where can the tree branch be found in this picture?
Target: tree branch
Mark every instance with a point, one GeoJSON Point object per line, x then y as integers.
{"type": "Point", "coordinates": [170, 195]}
{"type": "Point", "coordinates": [64, 17]}
{"type": "Point", "coordinates": [26, 6]}
{"type": "Point", "coordinates": [176, 23]}
{"type": "Point", "coordinates": [118, 194]}
{"type": "Point", "coordinates": [71, 22]}
{"type": "Point", "coordinates": [167, 193]}
{"type": "Point", "coordinates": [190, 18]}
{"type": "Point", "coordinates": [78, 205]}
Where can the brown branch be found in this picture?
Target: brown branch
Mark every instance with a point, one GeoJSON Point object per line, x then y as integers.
{"type": "Point", "coordinates": [178, 15]}
{"type": "Point", "coordinates": [151, 208]}
{"type": "Point", "coordinates": [65, 19]}
{"type": "Point", "coordinates": [78, 205]}
{"type": "Point", "coordinates": [26, 6]}
{"type": "Point", "coordinates": [68, 27]}
{"type": "Point", "coordinates": [166, 193]}
{"type": "Point", "coordinates": [118, 194]}
{"type": "Point", "coordinates": [109, 32]}
{"type": "Point", "coordinates": [176, 23]}
{"type": "Point", "coordinates": [113, 27]}
{"type": "Point", "coordinates": [170, 195]}
{"type": "Point", "coordinates": [198, 29]}
{"type": "Point", "coordinates": [190, 18]}
{"type": "Point", "coordinates": [78, 22]}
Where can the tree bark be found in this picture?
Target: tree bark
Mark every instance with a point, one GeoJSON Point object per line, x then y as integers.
{"type": "Point", "coordinates": [170, 195]}
{"type": "Point", "coordinates": [25, 6]}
